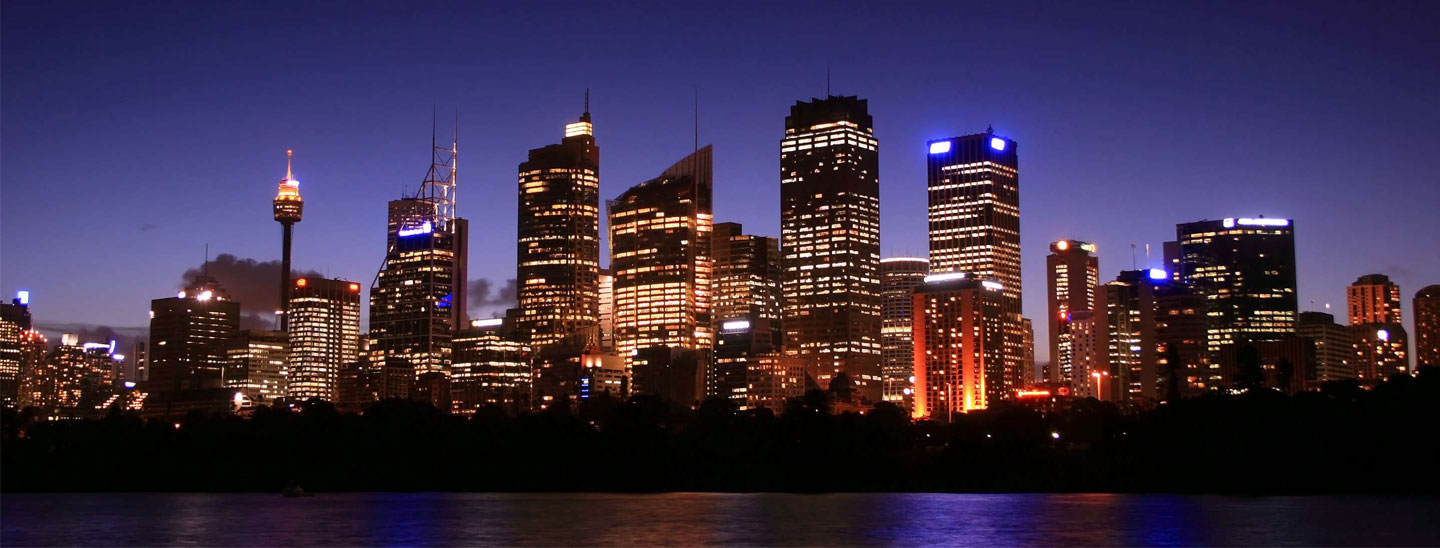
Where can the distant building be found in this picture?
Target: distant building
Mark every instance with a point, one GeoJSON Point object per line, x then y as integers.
{"type": "Point", "coordinates": [558, 241]}
{"type": "Point", "coordinates": [747, 276]}
{"type": "Point", "coordinates": [256, 365]}
{"type": "Point", "coordinates": [607, 310]}
{"type": "Point", "coordinates": [958, 344]}
{"type": "Point", "coordinates": [830, 237]}
{"type": "Point", "coordinates": [1427, 326]}
{"type": "Point", "coordinates": [1377, 328]}
{"type": "Point", "coordinates": [660, 245]}
{"type": "Point", "coordinates": [1245, 268]}
{"type": "Point", "coordinates": [1027, 345]}
{"type": "Point", "coordinates": [1334, 351]}
{"type": "Point", "coordinates": [1072, 273]}
{"type": "Point", "coordinates": [772, 380]}
{"type": "Point", "coordinates": [1181, 328]}
{"type": "Point", "coordinates": [1083, 346]}
{"type": "Point", "coordinates": [740, 342]}
{"type": "Point", "coordinates": [899, 276]}
{"type": "Point", "coordinates": [1130, 352]}
{"type": "Point", "coordinates": [189, 334]}
{"type": "Point", "coordinates": [490, 369]}
{"type": "Point", "coordinates": [324, 335]}
{"type": "Point", "coordinates": [974, 198]}
{"type": "Point", "coordinates": [670, 373]}
{"type": "Point", "coordinates": [603, 373]}
{"type": "Point", "coordinates": [14, 322]}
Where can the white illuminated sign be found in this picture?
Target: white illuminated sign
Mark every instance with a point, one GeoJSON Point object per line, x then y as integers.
{"type": "Point", "coordinates": [944, 277]}
{"type": "Point", "coordinates": [997, 143]}
{"type": "Point", "coordinates": [940, 147]}
{"type": "Point", "coordinates": [736, 325]}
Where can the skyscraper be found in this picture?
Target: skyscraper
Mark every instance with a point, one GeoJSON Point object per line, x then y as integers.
{"type": "Point", "coordinates": [958, 341]}
{"type": "Point", "coordinates": [324, 335]}
{"type": "Point", "coordinates": [1072, 273]}
{"type": "Point", "coordinates": [1129, 355]}
{"type": "Point", "coordinates": [418, 298]}
{"type": "Point", "coordinates": [288, 208]}
{"type": "Point", "coordinates": [256, 364]}
{"type": "Point", "coordinates": [1377, 328]}
{"type": "Point", "coordinates": [1084, 345]}
{"type": "Point", "coordinates": [14, 322]}
{"type": "Point", "coordinates": [189, 334]}
{"type": "Point", "coordinates": [607, 310]}
{"type": "Point", "coordinates": [558, 245]}
{"type": "Point", "coordinates": [747, 275]}
{"type": "Point", "coordinates": [899, 276]}
{"type": "Point", "coordinates": [974, 197]}
{"type": "Point", "coordinates": [740, 343]}
{"type": "Point", "coordinates": [830, 237]}
{"type": "Point", "coordinates": [660, 247]}
{"type": "Point", "coordinates": [1334, 351]}
{"type": "Point", "coordinates": [1245, 268]}
{"type": "Point", "coordinates": [1180, 335]}
{"type": "Point", "coordinates": [490, 369]}
{"type": "Point", "coordinates": [1427, 327]}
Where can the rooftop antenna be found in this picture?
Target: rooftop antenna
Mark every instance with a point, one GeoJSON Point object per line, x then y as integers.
{"type": "Point", "coordinates": [205, 266]}
{"type": "Point", "coordinates": [1132, 255]}
{"type": "Point", "coordinates": [827, 81]}
{"type": "Point", "coordinates": [587, 102]}
{"type": "Point", "coordinates": [1147, 256]}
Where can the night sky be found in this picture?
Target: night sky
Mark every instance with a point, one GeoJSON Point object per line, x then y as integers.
{"type": "Point", "coordinates": [135, 134]}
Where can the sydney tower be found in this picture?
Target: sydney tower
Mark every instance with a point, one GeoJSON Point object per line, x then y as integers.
{"type": "Point", "coordinates": [288, 206]}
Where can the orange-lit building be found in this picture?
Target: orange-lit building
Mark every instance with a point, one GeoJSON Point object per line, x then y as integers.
{"type": "Point", "coordinates": [490, 369]}
{"type": "Point", "coordinates": [1427, 326]}
{"type": "Point", "coordinates": [958, 346]}
{"type": "Point", "coordinates": [1072, 273]}
{"type": "Point", "coordinates": [1377, 328]}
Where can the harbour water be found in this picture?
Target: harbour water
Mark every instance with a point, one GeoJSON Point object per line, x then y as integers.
{"type": "Point", "coordinates": [690, 519]}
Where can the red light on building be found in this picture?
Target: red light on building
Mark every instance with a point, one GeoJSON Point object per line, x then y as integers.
{"type": "Point", "coordinates": [355, 287]}
{"type": "Point", "coordinates": [1032, 393]}
{"type": "Point", "coordinates": [300, 282]}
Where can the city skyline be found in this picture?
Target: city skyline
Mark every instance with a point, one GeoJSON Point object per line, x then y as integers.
{"type": "Point", "coordinates": [349, 171]}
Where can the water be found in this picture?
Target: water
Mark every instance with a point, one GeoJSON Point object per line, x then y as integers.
{"type": "Point", "coordinates": [446, 519]}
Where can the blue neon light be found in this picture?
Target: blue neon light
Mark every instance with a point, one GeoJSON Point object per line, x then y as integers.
{"type": "Point", "coordinates": [940, 147]}
{"type": "Point", "coordinates": [23, 296]}
{"type": "Point", "coordinates": [997, 143]}
{"type": "Point", "coordinates": [422, 229]}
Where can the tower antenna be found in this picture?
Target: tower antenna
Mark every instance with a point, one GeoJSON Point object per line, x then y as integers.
{"type": "Point", "coordinates": [205, 266]}
{"type": "Point", "coordinates": [587, 101]}
{"type": "Point", "coordinates": [1132, 255]}
{"type": "Point", "coordinates": [827, 80]}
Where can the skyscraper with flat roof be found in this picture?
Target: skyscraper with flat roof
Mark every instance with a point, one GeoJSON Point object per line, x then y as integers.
{"type": "Point", "coordinates": [1377, 328]}
{"type": "Point", "coordinates": [1245, 268]}
{"type": "Point", "coordinates": [558, 241]}
{"type": "Point", "coordinates": [974, 198]}
{"type": "Point", "coordinates": [1073, 272]}
{"type": "Point", "coordinates": [899, 276]}
{"type": "Point", "coordinates": [830, 238]}
{"type": "Point", "coordinates": [747, 275]}
{"type": "Point", "coordinates": [189, 334]}
{"type": "Point", "coordinates": [958, 344]}
{"type": "Point", "coordinates": [257, 364]}
{"type": "Point", "coordinates": [1334, 351]}
{"type": "Point", "coordinates": [324, 335]}
{"type": "Point", "coordinates": [1427, 327]}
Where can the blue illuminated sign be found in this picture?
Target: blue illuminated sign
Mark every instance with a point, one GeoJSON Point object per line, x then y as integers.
{"type": "Point", "coordinates": [422, 229]}
{"type": "Point", "coordinates": [23, 296]}
{"type": "Point", "coordinates": [1159, 274]}
{"type": "Point", "coordinates": [997, 143]}
{"type": "Point", "coordinates": [940, 147]}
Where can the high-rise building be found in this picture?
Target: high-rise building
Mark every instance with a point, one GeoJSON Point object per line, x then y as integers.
{"type": "Point", "coordinates": [1072, 272]}
{"type": "Point", "coordinates": [32, 347]}
{"type": "Point", "coordinates": [607, 310]}
{"type": "Point", "coordinates": [958, 344]}
{"type": "Point", "coordinates": [189, 334]}
{"type": "Point", "coordinates": [1377, 328]}
{"type": "Point", "coordinates": [257, 364]}
{"type": "Point", "coordinates": [899, 276]}
{"type": "Point", "coordinates": [1245, 268]}
{"type": "Point", "coordinates": [558, 245]}
{"type": "Point", "coordinates": [1334, 353]}
{"type": "Point", "coordinates": [1083, 346]}
{"type": "Point", "coordinates": [490, 369]}
{"type": "Point", "coordinates": [739, 343]}
{"type": "Point", "coordinates": [1130, 351]}
{"type": "Point", "coordinates": [14, 322]}
{"type": "Point", "coordinates": [1180, 334]}
{"type": "Point", "coordinates": [1427, 327]}
{"type": "Point", "coordinates": [747, 275]}
{"type": "Point", "coordinates": [1027, 348]}
{"type": "Point", "coordinates": [830, 237]}
{"type": "Point", "coordinates": [288, 209]}
{"type": "Point", "coordinates": [660, 247]}
{"type": "Point", "coordinates": [974, 197]}
{"type": "Point", "coordinates": [418, 299]}
{"type": "Point", "coordinates": [324, 335]}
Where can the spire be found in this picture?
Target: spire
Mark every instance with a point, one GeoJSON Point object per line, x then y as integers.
{"type": "Point", "coordinates": [586, 116]}
{"type": "Point", "coordinates": [288, 155]}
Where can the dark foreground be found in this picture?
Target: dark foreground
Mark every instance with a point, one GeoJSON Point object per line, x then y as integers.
{"type": "Point", "coordinates": [1342, 440]}
{"type": "Point", "coordinates": [692, 519]}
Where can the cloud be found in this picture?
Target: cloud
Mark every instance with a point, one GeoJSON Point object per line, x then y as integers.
{"type": "Point", "coordinates": [147, 227]}
{"type": "Point", "coordinates": [253, 284]}
{"type": "Point", "coordinates": [124, 337]}
{"type": "Point", "coordinates": [485, 299]}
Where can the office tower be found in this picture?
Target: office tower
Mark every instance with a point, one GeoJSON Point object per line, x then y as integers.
{"type": "Point", "coordinates": [1334, 353]}
{"type": "Point", "coordinates": [607, 310]}
{"type": "Point", "coordinates": [898, 278]}
{"type": "Point", "coordinates": [1072, 273]}
{"type": "Point", "coordinates": [739, 343]}
{"type": "Point", "coordinates": [1245, 268]}
{"type": "Point", "coordinates": [1377, 328]}
{"type": "Point", "coordinates": [288, 208]}
{"type": "Point", "coordinates": [1427, 327]}
{"type": "Point", "coordinates": [1082, 347]}
{"type": "Point", "coordinates": [14, 322]}
{"type": "Point", "coordinates": [830, 237]}
{"type": "Point", "coordinates": [1027, 348]}
{"type": "Point", "coordinates": [1180, 334]}
{"type": "Point", "coordinates": [1129, 355]}
{"type": "Point", "coordinates": [324, 335]}
{"type": "Point", "coordinates": [189, 334]}
{"type": "Point", "coordinates": [958, 344]}
{"type": "Point", "coordinates": [32, 347]}
{"type": "Point", "coordinates": [558, 245]}
{"type": "Point", "coordinates": [974, 197]}
{"type": "Point", "coordinates": [660, 233]}
{"type": "Point", "coordinates": [256, 365]}
{"type": "Point", "coordinates": [490, 369]}
{"type": "Point", "coordinates": [418, 298]}
{"type": "Point", "coordinates": [747, 275]}
{"type": "Point", "coordinates": [772, 379]}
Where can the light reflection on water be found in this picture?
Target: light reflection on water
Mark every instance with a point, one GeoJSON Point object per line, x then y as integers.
{"type": "Point", "coordinates": [445, 519]}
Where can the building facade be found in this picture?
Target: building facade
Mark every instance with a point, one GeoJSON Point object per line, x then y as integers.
{"type": "Point", "coordinates": [490, 369]}
{"type": "Point", "coordinates": [747, 275]}
{"type": "Point", "coordinates": [974, 214]}
{"type": "Point", "coordinates": [1072, 273]}
{"type": "Point", "coordinates": [558, 244]}
{"type": "Point", "coordinates": [1245, 268]}
{"type": "Point", "coordinates": [1130, 321]}
{"type": "Point", "coordinates": [1334, 351]}
{"type": "Point", "coordinates": [959, 341]}
{"type": "Point", "coordinates": [1377, 328]}
{"type": "Point", "coordinates": [418, 298]}
{"type": "Point", "coordinates": [324, 335]}
{"type": "Point", "coordinates": [257, 365]}
{"type": "Point", "coordinates": [15, 321]}
{"type": "Point", "coordinates": [899, 276]}
{"type": "Point", "coordinates": [1427, 327]}
{"type": "Point", "coordinates": [830, 238]}
{"type": "Point", "coordinates": [189, 335]}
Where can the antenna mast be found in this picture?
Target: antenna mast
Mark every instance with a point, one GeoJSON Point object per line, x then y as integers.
{"type": "Point", "coordinates": [438, 188]}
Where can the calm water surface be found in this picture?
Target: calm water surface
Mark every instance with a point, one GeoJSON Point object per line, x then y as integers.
{"type": "Point", "coordinates": [444, 519]}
